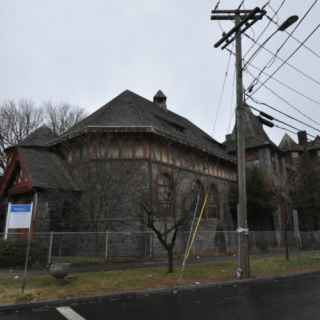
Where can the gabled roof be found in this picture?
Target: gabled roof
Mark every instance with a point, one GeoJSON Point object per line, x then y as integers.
{"type": "Point", "coordinates": [288, 144]}
{"type": "Point", "coordinates": [46, 169]}
{"type": "Point", "coordinates": [131, 111]}
{"type": "Point", "coordinates": [255, 136]}
{"type": "Point", "coordinates": [38, 138]}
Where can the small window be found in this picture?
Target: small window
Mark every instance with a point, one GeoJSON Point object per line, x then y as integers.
{"type": "Point", "coordinates": [295, 155]}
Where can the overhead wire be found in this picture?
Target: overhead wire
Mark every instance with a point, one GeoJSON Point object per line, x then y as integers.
{"type": "Point", "coordinates": [285, 85]}
{"type": "Point", "coordinates": [265, 28]}
{"type": "Point", "coordinates": [277, 120]}
{"type": "Point", "coordinates": [283, 113]}
{"type": "Point", "coordinates": [232, 100]}
{"type": "Point", "coordinates": [288, 58]}
{"type": "Point", "coordinates": [222, 92]}
{"type": "Point", "coordinates": [301, 72]}
{"type": "Point", "coordinates": [297, 26]}
{"type": "Point", "coordinates": [293, 132]}
{"type": "Point", "coordinates": [272, 59]}
{"type": "Point", "coordinates": [316, 54]}
{"type": "Point", "coordinates": [282, 83]}
{"type": "Point", "coordinates": [286, 101]}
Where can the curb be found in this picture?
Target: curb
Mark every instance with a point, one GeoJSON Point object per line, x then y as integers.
{"type": "Point", "coordinates": [140, 294]}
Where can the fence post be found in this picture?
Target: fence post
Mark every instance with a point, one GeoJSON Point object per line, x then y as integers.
{"type": "Point", "coordinates": [50, 248]}
{"type": "Point", "coordinates": [106, 256]}
{"type": "Point", "coordinates": [151, 245]}
{"type": "Point", "coordinates": [28, 250]}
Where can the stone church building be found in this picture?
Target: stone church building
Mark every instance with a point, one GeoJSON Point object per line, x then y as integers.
{"type": "Point", "coordinates": [280, 163]}
{"type": "Point", "coordinates": [132, 150]}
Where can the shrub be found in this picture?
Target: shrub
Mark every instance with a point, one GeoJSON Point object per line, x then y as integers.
{"type": "Point", "coordinates": [13, 253]}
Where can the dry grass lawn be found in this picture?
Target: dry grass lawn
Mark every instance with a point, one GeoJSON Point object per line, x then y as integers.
{"type": "Point", "coordinates": [101, 283]}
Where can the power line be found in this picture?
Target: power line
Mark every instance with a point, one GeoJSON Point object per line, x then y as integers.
{"type": "Point", "coordinates": [297, 26]}
{"type": "Point", "coordinates": [282, 83]}
{"type": "Point", "coordinates": [283, 113]}
{"type": "Point", "coordinates": [316, 54]}
{"type": "Point", "coordinates": [272, 59]}
{"type": "Point", "coordinates": [222, 92]}
{"type": "Point", "coordinates": [276, 80]}
{"type": "Point", "coordinates": [232, 98]}
{"type": "Point", "coordinates": [290, 105]}
{"type": "Point", "coordinates": [288, 58]}
{"type": "Point", "coordinates": [293, 132]}
{"type": "Point", "coordinates": [278, 120]}
{"type": "Point", "coordinates": [265, 28]}
{"type": "Point", "coordinates": [307, 76]}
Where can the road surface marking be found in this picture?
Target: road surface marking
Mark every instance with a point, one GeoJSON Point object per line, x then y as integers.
{"type": "Point", "coordinates": [69, 313]}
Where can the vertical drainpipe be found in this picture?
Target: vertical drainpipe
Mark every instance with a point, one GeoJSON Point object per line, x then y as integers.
{"type": "Point", "coordinates": [150, 192]}
{"type": "Point", "coordinates": [150, 176]}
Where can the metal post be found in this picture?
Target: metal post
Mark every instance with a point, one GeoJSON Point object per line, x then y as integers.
{"type": "Point", "coordinates": [7, 222]}
{"type": "Point", "coordinates": [243, 256]}
{"type": "Point", "coordinates": [50, 248]}
{"type": "Point", "coordinates": [34, 207]}
{"type": "Point", "coordinates": [151, 245]}
{"type": "Point", "coordinates": [106, 257]}
{"type": "Point", "coordinates": [24, 279]}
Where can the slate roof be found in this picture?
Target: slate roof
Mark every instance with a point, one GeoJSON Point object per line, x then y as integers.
{"type": "Point", "coordinates": [46, 169]}
{"type": "Point", "coordinates": [131, 111]}
{"type": "Point", "coordinates": [288, 144]}
{"type": "Point", "coordinates": [39, 137]}
{"type": "Point", "coordinates": [254, 133]}
{"type": "Point", "coordinates": [315, 144]}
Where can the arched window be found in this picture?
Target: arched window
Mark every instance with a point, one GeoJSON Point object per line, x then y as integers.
{"type": "Point", "coordinates": [213, 203]}
{"type": "Point", "coordinates": [165, 190]}
{"type": "Point", "coordinates": [197, 195]}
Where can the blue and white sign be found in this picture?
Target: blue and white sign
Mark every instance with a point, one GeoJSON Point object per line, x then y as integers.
{"type": "Point", "coordinates": [19, 216]}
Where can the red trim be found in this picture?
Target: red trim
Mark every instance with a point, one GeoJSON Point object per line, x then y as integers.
{"type": "Point", "coordinates": [24, 187]}
{"type": "Point", "coordinates": [8, 176]}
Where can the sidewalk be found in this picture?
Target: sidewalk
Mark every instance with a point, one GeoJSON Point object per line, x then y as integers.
{"type": "Point", "coordinates": [133, 264]}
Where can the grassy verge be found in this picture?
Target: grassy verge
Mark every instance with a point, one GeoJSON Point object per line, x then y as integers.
{"type": "Point", "coordinates": [101, 283]}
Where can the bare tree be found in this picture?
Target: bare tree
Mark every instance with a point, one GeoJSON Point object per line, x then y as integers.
{"type": "Point", "coordinates": [63, 116]}
{"type": "Point", "coordinates": [165, 218]}
{"type": "Point", "coordinates": [18, 120]}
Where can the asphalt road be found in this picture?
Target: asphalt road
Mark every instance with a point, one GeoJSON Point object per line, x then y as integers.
{"type": "Point", "coordinates": [283, 299]}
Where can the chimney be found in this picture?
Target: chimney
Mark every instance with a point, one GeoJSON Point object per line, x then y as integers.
{"type": "Point", "coordinates": [160, 99]}
{"type": "Point", "coordinates": [302, 137]}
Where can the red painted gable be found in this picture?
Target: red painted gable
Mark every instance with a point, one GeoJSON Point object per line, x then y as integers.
{"type": "Point", "coordinates": [16, 177]}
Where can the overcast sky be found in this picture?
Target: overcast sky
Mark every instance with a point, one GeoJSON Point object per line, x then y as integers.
{"type": "Point", "coordinates": [87, 51]}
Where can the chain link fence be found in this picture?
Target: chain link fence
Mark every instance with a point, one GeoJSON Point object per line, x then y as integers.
{"type": "Point", "coordinates": [23, 256]}
{"type": "Point", "coordinates": [81, 248]}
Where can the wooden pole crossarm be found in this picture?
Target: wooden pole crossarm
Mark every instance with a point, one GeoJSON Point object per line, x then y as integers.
{"type": "Point", "coordinates": [250, 16]}
{"type": "Point", "coordinates": [231, 11]}
{"type": "Point", "coordinates": [247, 26]}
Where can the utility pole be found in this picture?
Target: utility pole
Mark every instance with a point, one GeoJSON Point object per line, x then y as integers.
{"type": "Point", "coordinates": [243, 19]}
